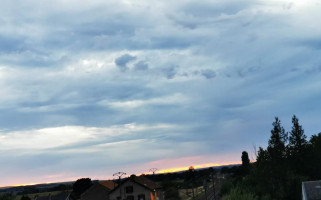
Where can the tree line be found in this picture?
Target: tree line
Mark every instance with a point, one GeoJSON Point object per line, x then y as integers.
{"type": "Point", "coordinates": [279, 170]}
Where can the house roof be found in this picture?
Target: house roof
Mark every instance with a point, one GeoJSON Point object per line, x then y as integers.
{"type": "Point", "coordinates": [142, 181]}
{"type": "Point", "coordinates": [145, 182]}
{"type": "Point", "coordinates": [96, 192]}
{"type": "Point", "coordinates": [312, 190]}
{"type": "Point", "coordinates": [108, 184]}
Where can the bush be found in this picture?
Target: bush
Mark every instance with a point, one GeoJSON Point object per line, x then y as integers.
{"type": "Point", "coordinates": [238, 194]}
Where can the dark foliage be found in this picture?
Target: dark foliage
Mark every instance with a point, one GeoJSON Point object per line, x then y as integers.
{"type": "Point", "coordinates": [280, 168]}
{"type": "Point", "coordinates": [245, 162]}
{"type": "Point", "coordinates": [25, 198]}
{"type": "Point", "coordinates": [81, 185]}
{"type": "Point", "coordinates": [171, 190]}
{"type": "Point", "coordinates": [7, 196]}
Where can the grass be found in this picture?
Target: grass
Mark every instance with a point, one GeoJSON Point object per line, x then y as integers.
{"type": "Point", "coordinates": [42, 194]}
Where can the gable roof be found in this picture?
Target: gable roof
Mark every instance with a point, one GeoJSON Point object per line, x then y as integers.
{"type": "Point", "coordinates": [142, 181]}
{"type": "Point", "coordinates": [108, 184]}
{"type": "Point", "coordinates": [97, 192]}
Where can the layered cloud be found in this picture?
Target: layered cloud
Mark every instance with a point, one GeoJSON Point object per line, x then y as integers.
{"type": "Point", "coordinates": [93, 87]}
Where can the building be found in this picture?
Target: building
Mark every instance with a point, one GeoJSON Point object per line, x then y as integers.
{"type": "Point", "coordinates": [109, 184]}
{"type": "Point", "coordinates": [98, 191]}
{"type": "Point", "coordinates": [311, 190]}
{"type": "Point", "coordinates": [137, 188]}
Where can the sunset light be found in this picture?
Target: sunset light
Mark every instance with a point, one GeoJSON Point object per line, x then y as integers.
{"type": "Point", "coordinates": [207, 165]}
{"type": "Point", "coordinates": [109, 90]}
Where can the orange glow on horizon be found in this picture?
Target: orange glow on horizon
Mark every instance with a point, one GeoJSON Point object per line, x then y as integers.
{"type": "Point", "coordinates": [162, 171]}
{"type": "Point", "coordinates": [20, 185]}
{"type": "Point", "coordinates": [179, 169]}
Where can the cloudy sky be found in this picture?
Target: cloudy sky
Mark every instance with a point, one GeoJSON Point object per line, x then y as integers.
{"type": "Point", "coordinates": [94, 87]}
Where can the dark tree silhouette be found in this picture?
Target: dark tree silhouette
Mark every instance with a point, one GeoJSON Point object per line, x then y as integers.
{"type": "Point", "coordinates": [314, 159]}
{"type": "Point", "coordinates": [297, 139]}
{"type": "Point", "coordinates": [281, 168]}
{"type": "Point", "coordinates": [245, 162]}
{"type": "Point", "coordinates": [81, 185]}
{"type": "Point", "coordinates": [297, 147]}
{"type": "Point", "coordinates": [277, 142]}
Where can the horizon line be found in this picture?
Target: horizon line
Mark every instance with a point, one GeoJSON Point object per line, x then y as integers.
{"type": "Point", "coordinates": [163, 171]}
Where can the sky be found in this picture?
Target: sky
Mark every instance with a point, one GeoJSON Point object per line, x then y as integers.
{"type": "Point", "coordinates": [91, 88]}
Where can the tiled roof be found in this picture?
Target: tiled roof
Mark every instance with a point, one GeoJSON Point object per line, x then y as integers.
{"type": "Point", "coordinates": [142, 181]}
{"type": "Point", "coordinates": [108, 184]}
{"type": "Point", "coordinates": [96, 192]}
{"type": "Point", "coordinates": [145, 182]}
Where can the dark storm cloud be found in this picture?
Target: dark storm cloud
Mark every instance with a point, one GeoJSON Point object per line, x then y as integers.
{"type": "Point", "coordinates": [170, 72]}
{"type": "Point", "coordinates": [122, 61]}
{"type": "Point", "coordinates": [208, 73]}
{"type": "Point", "coordinates": [210, 9]}
{"type": "Point", "coordinates": [141, 66]}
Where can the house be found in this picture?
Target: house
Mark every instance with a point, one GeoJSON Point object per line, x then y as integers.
{"type": "Point", "coordinates": [109, 184]}
{"type": "Point", "coordinates": [137, 188]}
{"type": "Point", "coordinates": [98, 191]}
{"type": "Point", "coordinates": [311, 190]}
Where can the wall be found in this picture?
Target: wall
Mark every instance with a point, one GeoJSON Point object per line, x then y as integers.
{"type": "Point", "coordinates": [137, 190]}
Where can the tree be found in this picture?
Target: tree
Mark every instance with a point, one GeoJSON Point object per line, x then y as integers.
{"type": "Point", "coordinates": [314, 158]}
{"type": "Point", "coordinates": [276, 169]}
{"type": "Point", "coordinates": [297, 146]}
{"type": "Point", "coordinates": [25, 198]}
{"type": "Point", "coordinates": [297, 138]}
{"type": "Point", "coordinates": [81, 185]}
{"type": "Point", "coordinates": [277, 142]}
{"type": "Point", "coordinates": [263, 157]}
{"type": "Point", "coordinates": [245, 162]}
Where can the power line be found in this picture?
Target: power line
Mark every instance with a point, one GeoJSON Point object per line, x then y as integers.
{"type": "Point", "coordinates": [153, 170]}
{"type": "Point", "coordinates": [119, 175]}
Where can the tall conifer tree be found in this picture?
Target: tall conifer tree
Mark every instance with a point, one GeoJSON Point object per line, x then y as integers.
{"type": "Point", "coordinates": [277, 142]}
{"type": "Point", "coordinates": [297, 139]}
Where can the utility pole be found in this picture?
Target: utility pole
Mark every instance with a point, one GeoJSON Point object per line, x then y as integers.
{"type": "Point", "coordinates": [119, 175]}
{"type": "Point", "coordinates": [153, 170]}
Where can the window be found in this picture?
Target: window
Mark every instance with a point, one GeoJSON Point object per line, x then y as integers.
{"type": "Point", "coordinates": [141, 197]}
{"type": "Point", "coordinates": [130, 197]}
{"type": "Point", "coordinates": [129, 189]}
